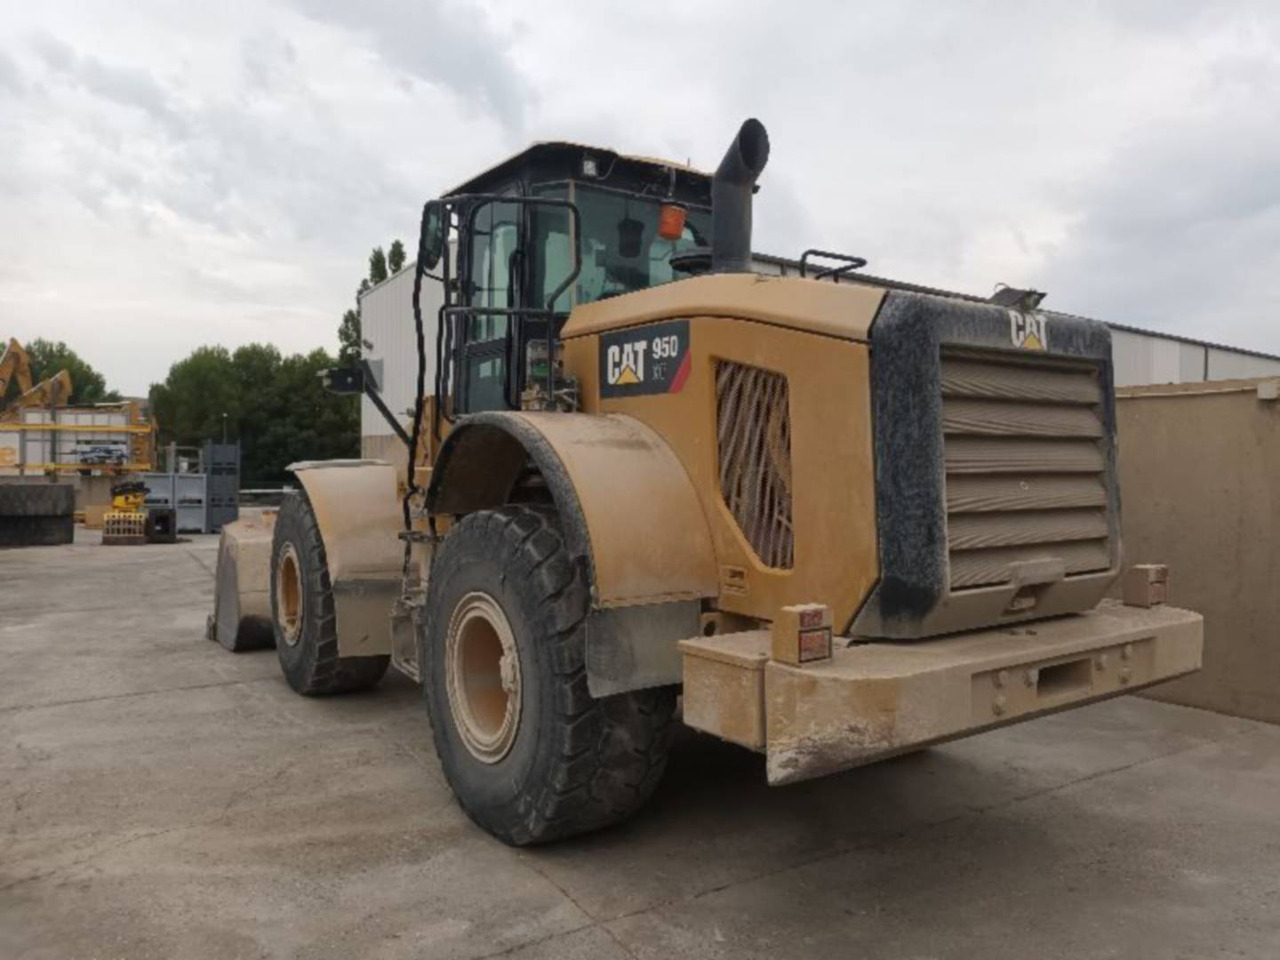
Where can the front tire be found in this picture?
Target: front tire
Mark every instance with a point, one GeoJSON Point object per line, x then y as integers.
{"type": "Point", "coordinates": [530, 755]}
{"type": "Point", "coordinates": [303, 620]}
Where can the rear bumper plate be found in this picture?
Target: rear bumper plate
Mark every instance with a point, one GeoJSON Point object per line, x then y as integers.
{"type": "Point", "coordinates": [875, 700]}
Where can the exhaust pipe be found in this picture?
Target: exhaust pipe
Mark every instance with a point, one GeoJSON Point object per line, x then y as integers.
{"type": "Point", "coordinates": [731, 190]}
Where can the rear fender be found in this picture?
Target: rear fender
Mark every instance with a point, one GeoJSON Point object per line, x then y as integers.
{"type": "Point", "coordinates": [359, 516]}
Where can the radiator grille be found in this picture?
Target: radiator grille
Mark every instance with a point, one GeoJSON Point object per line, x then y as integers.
{"type": "Point", "coordinates": [1025, 455]}
{"type": "Point", "coordinates": [753, 425]}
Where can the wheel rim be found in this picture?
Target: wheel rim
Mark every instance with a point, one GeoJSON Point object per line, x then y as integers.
{"type": "Point", "coordinates": [482, 675]}
{"type": "Point", "coordinates": [289, 595]}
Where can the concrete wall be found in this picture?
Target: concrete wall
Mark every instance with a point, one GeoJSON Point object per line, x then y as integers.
{"type": "Point", "coordinates": [1198, 466]}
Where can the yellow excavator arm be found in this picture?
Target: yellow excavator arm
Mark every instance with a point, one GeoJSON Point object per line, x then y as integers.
{"type": "Point", "coordinates": [55, 391]}
{"type": "Point", "coordinates": [14, 363]}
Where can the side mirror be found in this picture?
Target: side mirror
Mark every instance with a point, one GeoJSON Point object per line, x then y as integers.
{"type": "Point", "coordinates": [342, 380]}
{"type": "Point", "coordinates": [434, 225]}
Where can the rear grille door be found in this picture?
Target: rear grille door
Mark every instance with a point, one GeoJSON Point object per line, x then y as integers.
{"type": "Point", "coordinates": [995, 466]}
{"type": "Point", "coordinates": [1025, 461]}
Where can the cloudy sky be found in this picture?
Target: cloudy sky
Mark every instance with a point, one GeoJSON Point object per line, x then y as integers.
{"type": "Point", "coordinates": [174, 174]}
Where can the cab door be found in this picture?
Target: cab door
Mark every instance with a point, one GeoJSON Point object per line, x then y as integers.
{"type": "Point", "coordinates": [492, 288]}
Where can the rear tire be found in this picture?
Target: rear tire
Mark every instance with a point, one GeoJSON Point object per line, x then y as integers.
{"type": "Point", "coordinates": [36, 531]}
{"type": "Point", "coordinates": [37, 500]}
{"type": "Point", "coordinates": [302, 610]}
{"type": "Point", "coordinates": [530, 755]}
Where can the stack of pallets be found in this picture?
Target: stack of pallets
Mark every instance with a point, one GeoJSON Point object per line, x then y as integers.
{"type": "Point", "coordinates": [124, 528]}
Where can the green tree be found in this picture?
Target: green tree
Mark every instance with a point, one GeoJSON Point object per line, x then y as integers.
{"type": "Point", "coordinates": [198, 391]}
{"type": "Point", "coordinates": [48, 357]}
{"type": "Point", "coordinates": [350, 341]}
{"type": "Point", "coordinates": [276, 407]}
{"type": "Point", "coordinates": [395, 256]}
{"type": "Point", "coordinates": [377, 266]}
{"type": "Point", "coordinates": [254, 368]}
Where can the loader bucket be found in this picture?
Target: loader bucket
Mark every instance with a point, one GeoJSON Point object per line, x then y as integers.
{"type": "Point", "coordinates": [241, 618]}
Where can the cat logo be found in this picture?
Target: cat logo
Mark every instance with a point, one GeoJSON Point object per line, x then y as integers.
{"type": "Point", "coordinates": [1029, 331]}
{"type": "Point", "coordinates": [624, 364]}
{"type": "Point", "coordinates": [650, 360]}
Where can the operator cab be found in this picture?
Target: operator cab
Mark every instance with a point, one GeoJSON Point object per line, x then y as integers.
{"type": "Point", "coordinates": [558, 225]}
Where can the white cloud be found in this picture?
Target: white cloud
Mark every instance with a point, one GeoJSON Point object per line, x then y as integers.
{"type": "Point", "coordinates": [173, 175]}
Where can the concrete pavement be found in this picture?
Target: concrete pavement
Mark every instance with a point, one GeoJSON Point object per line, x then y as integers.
{"type": "Point", "coordinates": [160, 797]}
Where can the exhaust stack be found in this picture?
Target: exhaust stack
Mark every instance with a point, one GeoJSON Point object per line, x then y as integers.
{"type": "Point", "coordinates": [731, 191]}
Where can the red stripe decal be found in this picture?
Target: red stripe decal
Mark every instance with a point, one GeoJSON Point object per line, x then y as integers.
{"type": "Point", "coordinates": [682, 374]}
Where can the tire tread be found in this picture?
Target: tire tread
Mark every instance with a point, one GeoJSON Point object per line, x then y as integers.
{"type": "Point", "coordinates": [609, 753]}
{"type": "Point", "coordinates": [327, 673]}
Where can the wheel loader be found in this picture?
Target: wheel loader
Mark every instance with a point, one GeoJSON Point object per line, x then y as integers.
{"type": "Point", "coordinates": [827, 518]}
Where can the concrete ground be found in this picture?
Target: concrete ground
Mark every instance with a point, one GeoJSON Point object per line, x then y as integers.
{"type": "Point", "coordinates": [160, 797]}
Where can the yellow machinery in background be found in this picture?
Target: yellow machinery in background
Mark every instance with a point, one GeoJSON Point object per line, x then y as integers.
{"type": "Point", "coordinates": [129, 522]}
{"type": "Point", "coordinates": [129, 497]}
{"type": "Point", "coordinates": [125, 524]}
{"type": "Point", "coordinates": [15, 365]}
{"type": "Point", "coordinates": [113, 449]}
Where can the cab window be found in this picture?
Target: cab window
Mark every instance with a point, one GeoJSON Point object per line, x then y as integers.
{"type": "Point", "coordinates": [621, 249]}
{"type": "Point", "coordinates": [493, 266]}
{"type": "Point", "coordinates": [493, 274]}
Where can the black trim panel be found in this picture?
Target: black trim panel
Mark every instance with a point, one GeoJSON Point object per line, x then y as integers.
{"type": "Point", "coordinates": [906, 339]}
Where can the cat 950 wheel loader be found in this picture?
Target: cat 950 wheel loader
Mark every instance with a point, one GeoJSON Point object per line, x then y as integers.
{"type": "Point", "coordinates": [842, 519]}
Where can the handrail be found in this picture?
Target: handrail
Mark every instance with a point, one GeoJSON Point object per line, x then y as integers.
{"type": "Point", "coordinates": [851, 263]}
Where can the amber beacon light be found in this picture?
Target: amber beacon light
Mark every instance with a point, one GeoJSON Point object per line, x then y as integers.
{"type": "Point", "coordinates": [671, 221]}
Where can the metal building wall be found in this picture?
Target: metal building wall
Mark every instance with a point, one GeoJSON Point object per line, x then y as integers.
{"type": "Point", "coordinates": [1141, 357]}
{"type": "Point", "coordinates": [386, 313]}
{"type": "Point", "coordinates": [1230, 365]}
{"type": "Point", "coordinates": [1145, 358]}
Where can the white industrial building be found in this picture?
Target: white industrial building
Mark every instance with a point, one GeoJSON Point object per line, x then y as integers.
{"type": "Point", "coordinates": [1143, 357]}
{"type": "Point", "coordinates": [1140, 356]}
{"type": "Point", "coordinates": [386, 322]}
